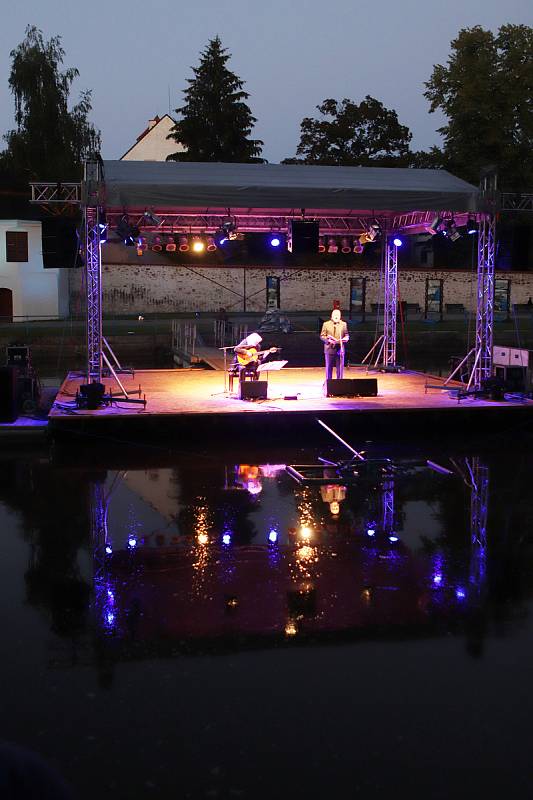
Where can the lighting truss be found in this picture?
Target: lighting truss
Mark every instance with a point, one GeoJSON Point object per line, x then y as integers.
{"type": "Point", "coordinates": [516, 202]}
{"type": "Point", "coordinates": [482, 369]}
{"type": "Point", "coordinates": [390, 305]}
{"type": "Point", "coordinates": [93, 269]}
{"type": "Point", "coordinates": [387, 507]}
{"type": "Point", "coordinates": [479, 504]}
{"type": "Point", "coordinates": [63, 193]}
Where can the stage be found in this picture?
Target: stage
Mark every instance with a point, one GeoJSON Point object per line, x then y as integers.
{"type": "Point", "coordinates": [192, 404]}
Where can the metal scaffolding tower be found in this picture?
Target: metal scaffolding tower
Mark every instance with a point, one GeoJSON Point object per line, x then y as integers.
{"type": "Point", "coordinates": [93, 269]}
{"type": "Point", "coordinates": [390, 305]}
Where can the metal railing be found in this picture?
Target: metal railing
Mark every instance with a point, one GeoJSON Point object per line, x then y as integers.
{"type": "Point", "coordinates": [228, 333]}
{"type": "Point", "coordinates": [184, 337]}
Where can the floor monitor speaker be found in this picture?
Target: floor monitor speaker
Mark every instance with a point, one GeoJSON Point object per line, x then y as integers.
{"type": "Point", "coordinates": [352, 387]}
{"type": "Point", "coordinates": [9, 394]}
{"type": "Point", "coordinates": [253, 390]}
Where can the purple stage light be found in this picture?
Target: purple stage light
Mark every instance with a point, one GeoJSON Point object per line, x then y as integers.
{"type": "Point", "coordinates": [397, 242]}
{"type": "Point", "coordinates": [275, 241]}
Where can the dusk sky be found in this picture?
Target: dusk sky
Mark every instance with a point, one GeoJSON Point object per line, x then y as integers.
{"type": "Point", "coordinates": [292, 56]}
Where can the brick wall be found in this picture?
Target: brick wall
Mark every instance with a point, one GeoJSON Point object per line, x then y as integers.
{"type": "Point", "coordinates": [150, 288]}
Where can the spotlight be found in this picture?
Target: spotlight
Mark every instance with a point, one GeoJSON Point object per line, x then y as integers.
{"type": "Point", "coordinates": [397, 242]}
{"type": "Point", "coordinates": [128, 233]}
{"type": "Point", "coordinates": [471, 225]}
{"type": "Point", "coordinates": [451, 230]}
{"type": "Point", "coordinates": [170, 245]}
{"type": "Point", "coordinates": [156, 244]}
{"type": "Point", "coordinates": [333, 247]}
{"type": "Point", "coordinates": [198, 245]}
{"type": "Point", "coordinates": [357, 246]}
{"type": "Point", "coordinates": [152, 219]}
{"type": "Point", "coordinates": [434, 226]}
{"type": "Point", "coordinates": [371, 234]}
{"type": "Point", "coordinates": [275, 240]}
{"type": "Point", "coordinates": [102, 226]}
{"type": "Point", "coordinates": [321, 245]}
{"type": "Point", "coordinates": [220, 237]}
{"type": "Point", "coordinates": [184, 244]}
{"type": "Point", "coordinates": [345, 245]}
{"type": "Point", "coordinates": [211, 246]}
{"type": "Point", "coordinates": [141, 245]}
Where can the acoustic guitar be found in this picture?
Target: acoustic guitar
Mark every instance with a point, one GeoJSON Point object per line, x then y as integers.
{"type": "Point", "coordinates": [252, 355]}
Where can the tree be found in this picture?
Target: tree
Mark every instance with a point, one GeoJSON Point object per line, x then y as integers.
{"type": "Point", "coordinates": [349, 134]}
{"type": "Point", "coordinates": [215, 121]}
{"type": "Point", "coordinates": [50, 141]}
{"type": "Point", "coordinates": [485, 92]}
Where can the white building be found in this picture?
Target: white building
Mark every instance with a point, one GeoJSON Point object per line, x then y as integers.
{"type": "Point", "coordinates": [152, 144]}
{"type": "Point", "coordinates": [27, 289]}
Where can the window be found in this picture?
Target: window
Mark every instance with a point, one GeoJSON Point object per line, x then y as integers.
{"type": "Point", "coordinates": [16, 246]}
{"type": "Point", "coordinates": [272, 292]}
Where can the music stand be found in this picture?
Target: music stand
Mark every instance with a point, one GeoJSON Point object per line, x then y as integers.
{"type": "Point", "coordinates": [225, 350]}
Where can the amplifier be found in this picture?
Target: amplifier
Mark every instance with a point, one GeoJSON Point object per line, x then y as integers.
{"type": "Point", "coordinates": [253, 390]}
{"type": "Point", "coordinates": [18, 355]}
{"type": "Point", "coordinates": [352, 387]}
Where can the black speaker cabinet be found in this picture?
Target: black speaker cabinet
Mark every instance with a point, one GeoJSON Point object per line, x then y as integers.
{"type": "Point", "coordinates": [304, 237]}
{"type": "Point", "coordinates": [253, 390]}
{"type": "Point", "coordinates": [9, 394]}
{"type": "Point", "coordinates": [352, 387]}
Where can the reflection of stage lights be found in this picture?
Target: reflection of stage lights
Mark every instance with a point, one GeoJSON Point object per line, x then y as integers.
{"type": "Point", "coordinates": [273, 536]}
{"type": "Point", "coordinates": [305, 553]}
{"type": "Point", "coordinates": [226, 538]}
{"type": "Point", "coordinates": [305, 532]}
{"type": "Point", "coordinates": [203, 538]}
{"type": "Point", "coordinates": [132, 542]}
{"type": "Point", "coordinates": [290, 628]}
{"type": "Point", "coordinates": [108, 549]}
{"type": "Point", "coordinates": [232, 604]}
{"type": "Point", "coordinates": [460, 593]}
{"type": "Point", "coordinates": [370, 531]}
{"type": "Point", "coordinates": [437, 579]}
{"type": "Point", "coordinates": [110, 618]}
{"type": "Point", "coordinates": [366, 595]}
{"type": "Point", "coordinates": [254, 486]}
{"type": "Point", "coordinates": [393, 538]}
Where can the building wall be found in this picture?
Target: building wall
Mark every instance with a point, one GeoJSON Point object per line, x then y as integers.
{"type": "Point", "coordinates": [141, 288]}
{"type": "Point", "coordinates": [154, 146]}
{"type": "Point", "coordinates": [37, 292]}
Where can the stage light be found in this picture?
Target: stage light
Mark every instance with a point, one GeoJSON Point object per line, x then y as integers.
{"type": "Point", "coordinates": [184, 244]}
{"type": "Point", "coordinates": [141, 245]}
{"type": "Point", "coordinates": [333, 247]}
{"type": "Point", "coordinates": [226, 538]}
{"type": "Point", "coordinates": [357, 246]}
{"type": "Point", "coordinates": [345, 245]}
{"type": "Point", "coordinates": [128, 233]}
{"type": "Point", "coordinates": [102, 227]}
{"type": "Point", "coordinates": [274, 240]}
{"type": "Point", "coordinates": [170, 245]}
{"type": "Point", "coordinates": [152, 219]}
{"type": "Point", "coordinates": [321, 245]}
{"type": "Point", "coordinates": [471, 225]}
{"type": "Point", "coordinates": [221, 238]}
{"type": "Point", "coordinates": [198, 245]}
{"type": "Point", "coordinates": [156, 244]}
{"type": "Point", "coordinates": [451, 230]}
{"type": "Point", "coordinates": [211, 246]}
{"type": "Point", "coordinates": [371, 234]}
{"type": "Point", "coordinates": [397, 242]}
{"type": "Point", "coordinates": [273, 536]}
{"type": "Point", "coordinates": [434, 226]}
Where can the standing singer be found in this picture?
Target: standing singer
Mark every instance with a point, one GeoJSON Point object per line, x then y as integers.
{"type": "Point", "coordinates": [334, 334]}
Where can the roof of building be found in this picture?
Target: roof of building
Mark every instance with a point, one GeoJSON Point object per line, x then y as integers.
{"type": "Point", "coordinates": [278, 186]}
{"type": "Point", "coordinates": [156, 121]}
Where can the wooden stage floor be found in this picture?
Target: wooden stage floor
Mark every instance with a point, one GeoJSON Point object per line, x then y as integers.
{"type": "Point", "coordinates": [186, 396]}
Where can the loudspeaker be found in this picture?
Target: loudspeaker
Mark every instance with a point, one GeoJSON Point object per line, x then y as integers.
{"type": "Point", "coordinates": [9, 394]}
{"type": "Point", "coordinates": [304, 237]}
{"type": "Point", "coordinates": [253, 390]}
{"type": "Point", "coordinates": [18, 355]}
{"type": "Point", "coordinates": [61, 244]}
{"type": "Point", "coordinates": [352, 387]}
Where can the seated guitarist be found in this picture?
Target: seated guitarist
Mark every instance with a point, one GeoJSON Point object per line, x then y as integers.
{"type": "Point", "coordinates": [247, 357]}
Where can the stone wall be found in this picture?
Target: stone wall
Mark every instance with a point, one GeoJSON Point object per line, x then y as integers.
{"type": "Point", "coordinates": [142, 288]}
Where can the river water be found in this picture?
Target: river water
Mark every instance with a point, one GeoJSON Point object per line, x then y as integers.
{"type": "Point", "coordinates": [202, 624]}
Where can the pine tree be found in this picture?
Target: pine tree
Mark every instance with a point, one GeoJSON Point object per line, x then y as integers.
{"type": "Point", "coordinates": [215, 121]}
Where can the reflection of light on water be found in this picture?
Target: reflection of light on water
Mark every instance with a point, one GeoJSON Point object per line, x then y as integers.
{"type": "Point", "coordinates": [305, 553]}
{"type": "Point", "coordinates": [305, 532]}
{"type": "Point", "coordinates": [291, 628]}
{"type": "Point", "coordinates": [201, 550]}
{"type": "Point", "coordinates": [203, 538]}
